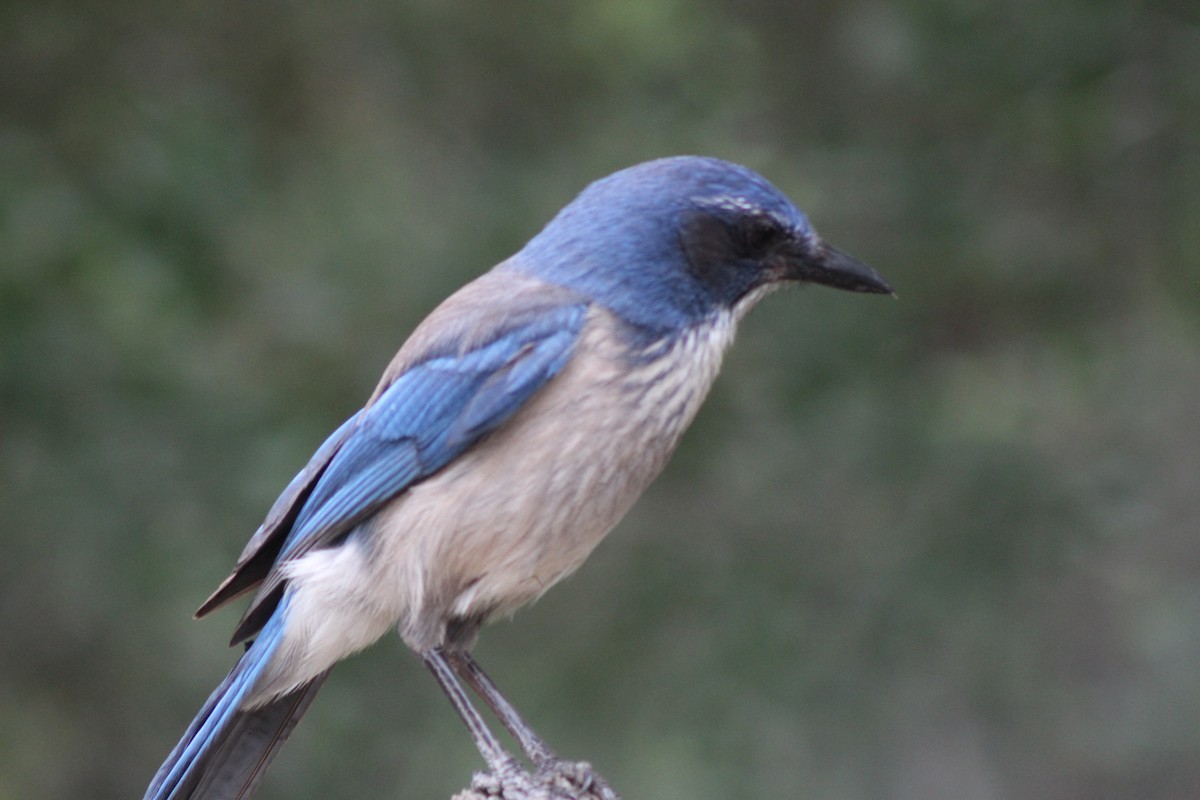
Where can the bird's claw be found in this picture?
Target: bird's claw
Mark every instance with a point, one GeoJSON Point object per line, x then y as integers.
{"type": "Point", "coordinates": [553, 780]}
{"type": "Point", "coordinates": [575, 779]}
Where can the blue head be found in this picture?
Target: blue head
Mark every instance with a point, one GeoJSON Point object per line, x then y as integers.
{"type": "Point", "coordinates": [669, 243]}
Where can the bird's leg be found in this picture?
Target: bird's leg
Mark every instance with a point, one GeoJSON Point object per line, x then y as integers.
{"type": "Point", "coordinates": [550, 767]}
{"type": "Point", "coordinates": [498, 759]}
{"type": "Point", "coordinates": [467, 668]}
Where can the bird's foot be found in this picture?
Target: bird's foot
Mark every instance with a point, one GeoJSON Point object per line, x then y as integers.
{"type": "Point", "coordinates": [575, 779]}
{"type": "Point", "coordinates": [554, 780]}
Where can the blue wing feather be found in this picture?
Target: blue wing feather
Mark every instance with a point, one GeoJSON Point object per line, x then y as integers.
{"type": "Point", "coordinates": [263, 548]}
{"type": "Point", "coordinates": [428, 416]}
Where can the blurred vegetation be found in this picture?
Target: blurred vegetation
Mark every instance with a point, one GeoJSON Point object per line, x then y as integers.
{"type": "Point", "coordinates": [939, 548]}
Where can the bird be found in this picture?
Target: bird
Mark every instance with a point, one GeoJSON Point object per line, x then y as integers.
{"type": "Point", "coordinates": [511, 432]}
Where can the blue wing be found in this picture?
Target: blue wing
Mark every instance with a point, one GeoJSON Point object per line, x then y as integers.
{"type": "Point", "coordinates": [429, 415]}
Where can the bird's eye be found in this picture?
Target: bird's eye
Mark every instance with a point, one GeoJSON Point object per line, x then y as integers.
{"type": "Point", "coordinates": [758, 233]}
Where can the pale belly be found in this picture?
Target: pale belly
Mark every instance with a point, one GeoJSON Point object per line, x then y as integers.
{"type": "Point", "coordinates": [504, 522]}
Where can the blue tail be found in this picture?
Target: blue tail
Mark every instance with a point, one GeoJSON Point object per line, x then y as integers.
{"type": "Point", "coordinates": [225, 751]}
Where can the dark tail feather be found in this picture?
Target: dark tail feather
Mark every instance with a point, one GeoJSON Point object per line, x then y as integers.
{"type": "Point", "coordinates": [237, 760]}
{"type": "Point", "coordinates": [225, 751]}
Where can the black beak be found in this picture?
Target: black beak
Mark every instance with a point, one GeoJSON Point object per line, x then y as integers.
{"type": "Point", "coordinates": [832, 267]}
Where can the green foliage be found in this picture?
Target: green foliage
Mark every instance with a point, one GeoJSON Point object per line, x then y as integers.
{"type": "Point", "coordinates": [944, 547]}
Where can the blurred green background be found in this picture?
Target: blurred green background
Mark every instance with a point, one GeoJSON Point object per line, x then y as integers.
{"type": "Point", "coordinates": [944, 547]}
